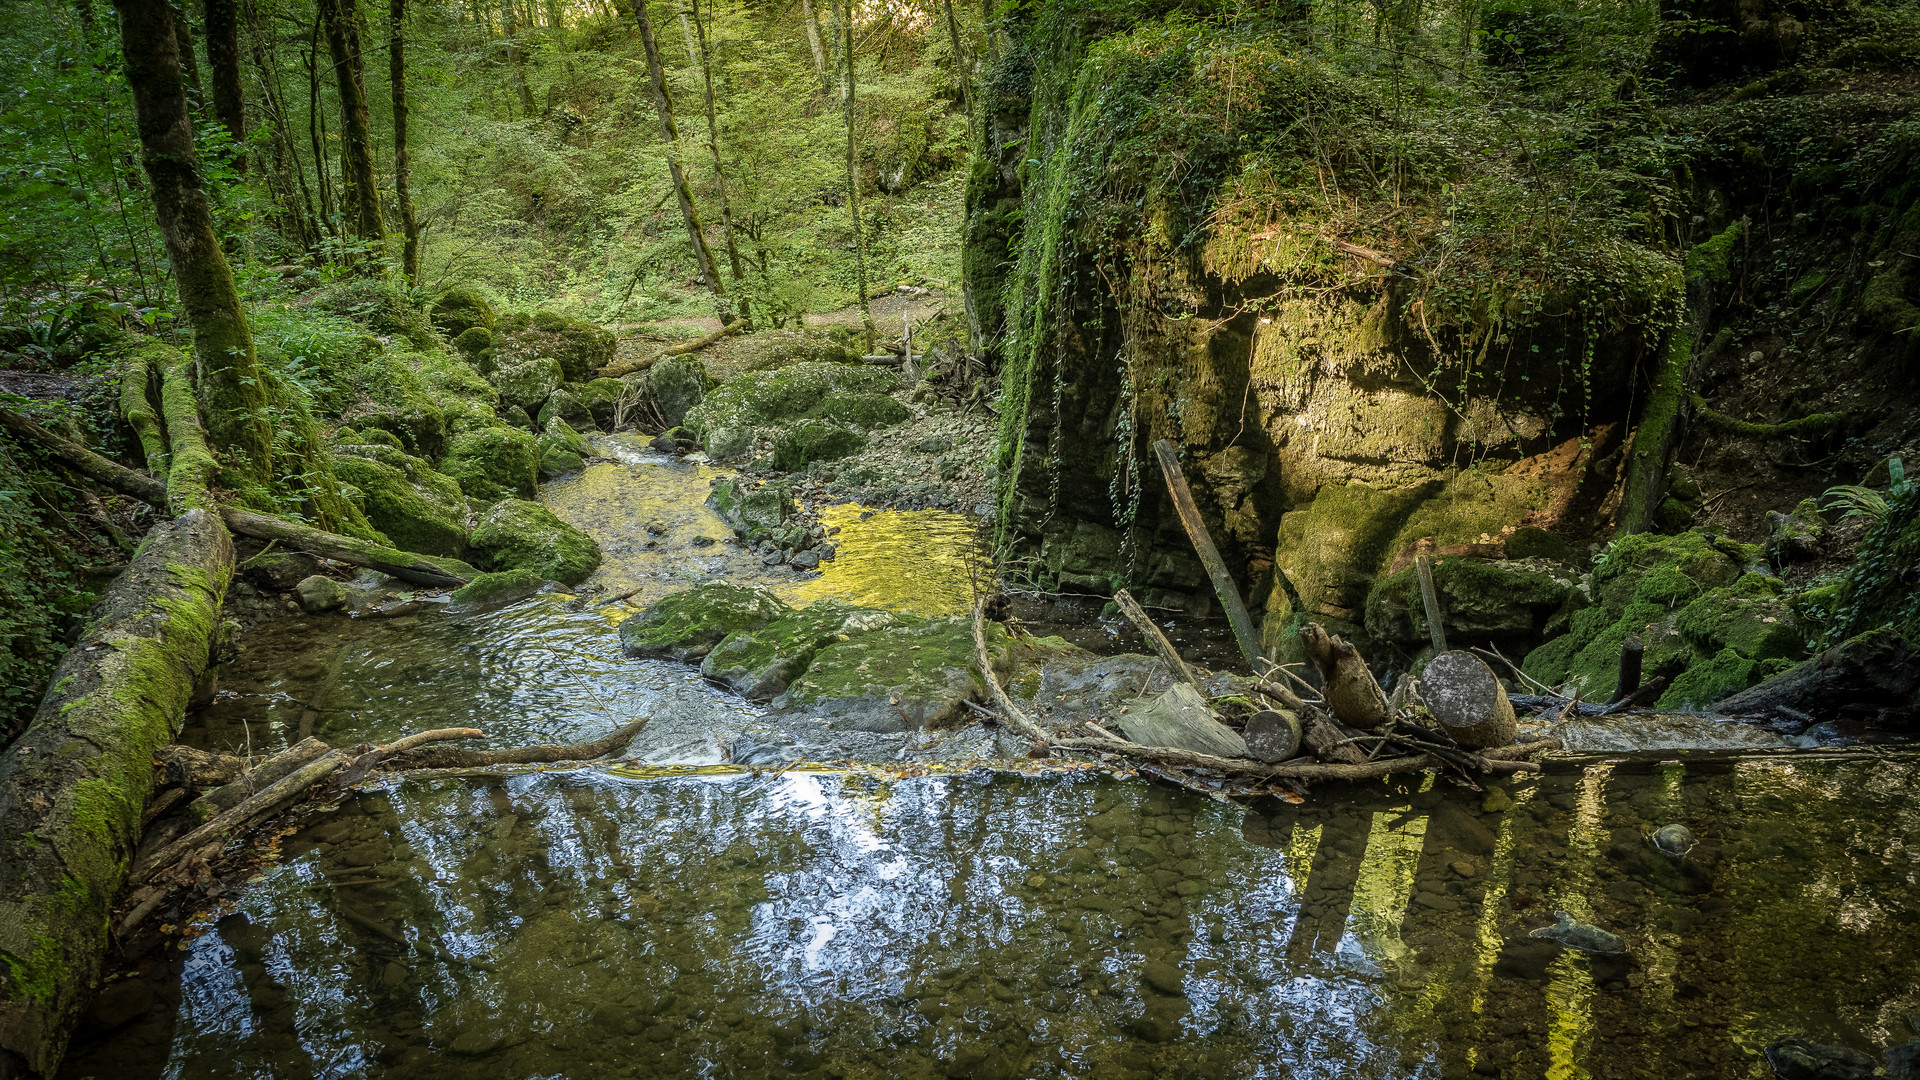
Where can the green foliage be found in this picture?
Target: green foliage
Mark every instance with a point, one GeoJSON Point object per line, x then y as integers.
{"type": "Point", "coordinates": [1881, 587]}
{"type": "Point", "coordinates": [43, 590]}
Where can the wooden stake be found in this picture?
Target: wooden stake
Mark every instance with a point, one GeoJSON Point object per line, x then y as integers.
{"type": "Point", "coordinates": [1430, 598]}
{"type": "Point", "coordinates": [1223, 583]}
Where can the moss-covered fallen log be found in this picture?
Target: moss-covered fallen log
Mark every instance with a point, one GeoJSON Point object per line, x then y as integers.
{"type": "Point", "coordinates": [73, 787]}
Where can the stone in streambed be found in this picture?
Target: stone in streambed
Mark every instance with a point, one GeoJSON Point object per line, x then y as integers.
{"type": "Point", "coordinates": [746, 507]}
{"type": "Point", "coordinates": [687, 625]}
{"type": "Point", "coordinates": [494, 463]}
{"type": "Point", "coordinates": [759, 664]}
{"type": "Point", "coordinates": [1798, 1059]}
{"type": "Point", "coordinates": [1582, 936]}
{"type": "Point", "coordinates": [320, 593]}
{"type": "Point", "coordinates": [489, 592]}
{"type": "Point", "coordinates": [278, 571]}
{"type": "Point", "coordinates": [1674, 840]}
{"type": "Point", "coordinates": [1180, 718]}
{"type": "Point", "coordinates": [674, 386]}
{"type": "Point", "coordinates": [915, 673]}
{"type": "Point", "coordinates": [517, 534]}
{"type": "Point", "coordinates": [563, 405]}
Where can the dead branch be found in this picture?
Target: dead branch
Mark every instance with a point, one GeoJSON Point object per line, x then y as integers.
{"type": "Point", "coordinates": [1138, 616]}
{"type": "Point", "coordinates": [448, 757]}
{"type": "Point", "coordinates": [1009, 712]}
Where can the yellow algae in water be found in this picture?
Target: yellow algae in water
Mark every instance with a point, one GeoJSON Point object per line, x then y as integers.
{"type": "Point", "coordinates": [922, 561]}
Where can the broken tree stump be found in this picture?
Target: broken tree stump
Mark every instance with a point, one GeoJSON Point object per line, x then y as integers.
{"type": "Point", "coordinates": [1351, 691]}
{"type": "Point", "coordinates": [1466, 697]}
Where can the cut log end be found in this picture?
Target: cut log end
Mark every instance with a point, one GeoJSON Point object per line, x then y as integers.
{"type": "Point", "coordinates": [1466, 697]}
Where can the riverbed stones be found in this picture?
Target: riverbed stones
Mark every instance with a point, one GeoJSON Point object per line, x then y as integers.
{"type": "Point", "coordinates": [687, 625]}
{"type": "Point", "coordinates": [748, 507]}
{"type": "Point", "coordinates": [320, 593]}
{"type": "Point", "coordinates": [760, 664]}
{"type": "Point", "coordinates": [489, 592]}
{"type": "Point", "coordinates": [516, 533]}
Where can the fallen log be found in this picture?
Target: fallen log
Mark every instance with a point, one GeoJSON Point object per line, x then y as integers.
{"type": "Point", "coordinates": [1352, 694]}
{"type": "Point", "coordinates": [1430, 599]}
{"type": "Point", "coordinates": [1142, 622]}
{"type": "Point", "coordinates": [74, 786]}
{"type": "Point", "coordinates": [1010, 713]}
{"type": "Point", "coordinates": [452, 757]}
{"type": "Point", "coordinates": [1223, 584]}
{"type": "Point", "coordinates": [629, 367]}
{"type": "Point", "coordinates": [251, 809]}
{"type": "Point", "coordinates": [89, 464]}
{"type": "Point", "coordinates": [1878, 668]}
{"type": "Point", "coordinates": [263, 775]}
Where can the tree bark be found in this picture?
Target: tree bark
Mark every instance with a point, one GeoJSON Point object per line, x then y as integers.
{"type": "Point", "coordinates": [713, 144]}
{"type": "Point", "coordinates": [402, 164]}
{"type": "Point", "coordinates": [361, 197]}
{"type": "Point", "coordinates": [843, 17]}
{"type": "Point", "coordinates": [223, 65]}
{"type": "Point", "coordinates": [812, 21]}
{"type": "Point", "coordinates": [189, 63]}
{"type": "Point", "coordinates": [232, 389]}
{"type": "Point", "coordinates": [73, 787]}
{"type": "Point", "coordinates": [962, 71]}
{"type": "Point", "coordinates": [1465, 696]}
{"type": "Point", "coordinates": [317, 129]}
{"type": "Point", "coordinates": [308, 228]}
{"type": "Point", "coordinates": [670, 132]}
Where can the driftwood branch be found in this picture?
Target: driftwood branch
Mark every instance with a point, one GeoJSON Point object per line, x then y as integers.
{"type": "Point", "coordinates": [629, 367]}
{"type": "Point", "coordinates": [1010, 712]}
{"type": "Point", "coordinates": [1138, 616]}
{"type": "Point", "coordinates": [1223, 584]}
{"type": "Point", "coordinates": [1430, 600]}
{"type": "Point", "coordinates": [92, 465]}
{"type": "Point", "coordinates": [452, 757]}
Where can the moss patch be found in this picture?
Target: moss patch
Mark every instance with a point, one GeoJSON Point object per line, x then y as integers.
{"type": "Point", "coordinates": [497, 590]}
{"type": "Point", "coordinates": [494, 463]}
{"type": "Point", "coordinates": [415, 507]}
{"type": "Point", "coordinates": [815, 440]}
{"type": "Point", "coordinates": [760, 663]}
{"type": "Point", "coordinates": [687, 625]}
{"type": "Point", "coordinates": [863, 410]}
{"type": "Point", "coordinates": [516, 533]}
{"type": "Point", "coordinates": [528, 383]}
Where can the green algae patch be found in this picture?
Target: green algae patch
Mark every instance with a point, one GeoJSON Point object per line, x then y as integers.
{"type": "Point", "coordinates": [518, 534]}
{"type": "Point", "coordinates": [414, 506]}
{"type": "Point", "coordinates": [687, 625]}
{"type": "Point", "coordinates": [1708, 622]}
{"type": "Point", "coordinates": [915, 673]}
{"type": "Point", "coordinates": [760, 664]}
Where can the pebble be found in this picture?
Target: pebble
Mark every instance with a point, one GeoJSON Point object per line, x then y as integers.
{"type": "Point", "coordinates": [1674, 840]}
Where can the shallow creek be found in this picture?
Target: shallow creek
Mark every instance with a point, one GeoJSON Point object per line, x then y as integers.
{"type": "Point", "coordinates": [672, 916]}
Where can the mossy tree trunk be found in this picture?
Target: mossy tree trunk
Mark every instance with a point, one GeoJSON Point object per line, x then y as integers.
{"type": "Point", "coordinates": [402, 165]}
{"type": "Point", "coordinates": [713, 142]}
{"type": "Point", "coordinates": [670, 132]}
{"type": "Point", "coordinates": [223, 66]}
{"type": "Point", "coordinates": [812, 21]}
{"type": "Point", "coordinates": [189, 63]}
{"type": "Point", "coordinates": [843, 16]}
{"type": "Point", "coordinates": [1661, 424]}
{"type": "Point", "coordinates": [361, 198]}
{"type": "Point", "coordinates": [316, 128]}
{"type": "Point", "coordinates": [962, 70]}
{"type": "Point", "coordinates": [73, 788]}
{"type": "Point", "coordinates": [232, 392]}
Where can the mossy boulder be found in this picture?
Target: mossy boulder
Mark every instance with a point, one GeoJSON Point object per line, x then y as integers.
{"type": "Point", "coordinates": [279, 571]}
{"type": "Point", "coordinates": [601, 397]}
{"type": "Point", "coordinates": [562, 450]}
{"type": "Point", "coordinates": [374, 436]}
{"type": "Point", "coordinates": [390, 395]}
{"type": "Point", "coordinates": [380, 306]}
{"type": "Point", "coordinates": [474, 343]}
{"type": "Point", "coordinates": [518, 534]}
{"type": "Point", "coordinates": [563, 407]}
{"type": "Point", "coordinates": [319, 593]}
{"type": "Point", "coordinates": [675, 384]}
{"type": "Point", "coordinates": [449, 377]}
{"type": "Point", "coordinates": [759, 664]}
{"type": "Point", "coordinates": [747, 507]}
{"type": "Point", "coordinates": [578, 347]}
{"type": "Point", "coordinates": [766, 398]}
{"type": "Point", "coordinates": [815, 440]}
{"type": "Point", "coordinates": [460, 310]}
{"type": "Point", "coordinates": [866, 411]}
{"type": "Point", "coordinates": [464, 417]}
{"type": "Point", "coordinates": [911, 674]}
{"type": "Point", "coordinates": [1707, 619]}
{"type": "Point", "coordinates": [415, 507]}
{"type": "Point", "coordinates": [1513, 602]}
{"type": "Point", "coordinates": [527, 384]}
{"type": "Point", "coordinates": [687, 625]}
{"type": "Point", "coordinates": [494, 463]}
{"type": "Point", "coordinates": [488, 592]}
{"type": "Point", "coordinates": [779, 348]}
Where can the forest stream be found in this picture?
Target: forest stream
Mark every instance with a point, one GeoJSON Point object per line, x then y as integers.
{"type": "Point", "coordinates": [711, 905]}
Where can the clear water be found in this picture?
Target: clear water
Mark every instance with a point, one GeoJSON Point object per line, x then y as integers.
{"type": "Point", "coordinates": [852, 925]}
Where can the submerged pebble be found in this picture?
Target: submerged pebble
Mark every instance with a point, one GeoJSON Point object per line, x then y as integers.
{"type": "Point", "coordinates": [1583, 936]}
{"type": "Point", "coordinates": [1674, 840]}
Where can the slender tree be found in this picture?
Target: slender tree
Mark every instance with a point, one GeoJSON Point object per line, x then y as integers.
{"type": "Point", "coordinates": [361, 197]}
{"type": "Point", "coordinates": [843, 18]}
{"type": "Point", "coordinates": [511, 27]}
{"type": "Point", "coordinates": [402, 166]}
{"type": "Point", "coordinates": [222, 19]}
{"type": "Point", "coordinates": [962, 70]}
{"type": "Point", "coordinates": [273, 94]}
{"type": "Point", "coordinates": [811, 19]}
{"type": "Point", "coordinates": [189, 64]}
{"type": "Point", "coordinates": [232, 394]}
{"type": "Point", "coordinates": [713, 143]}
{"type": "Point", "coordinates": [669, 131]}
{"type": "Point", "coordinates": [317, 128]}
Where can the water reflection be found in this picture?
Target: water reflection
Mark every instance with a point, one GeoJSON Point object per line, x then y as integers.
{"type": "Point", "coordinates": [923, 561]}
{"type": "Point", "coordinates": [839, 925]}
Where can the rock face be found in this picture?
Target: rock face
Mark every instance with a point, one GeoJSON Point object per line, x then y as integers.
{"type": "Point", "coordinates": [563, 406]}
{"type": "Point", "coordinates": [1710, 615]}
{"type": "Point", "coordinates": [687, 625]}
{"type": "Point", "coordinates": [517, 534]}
{"type": "Point", "coordinates": [1515, 603]}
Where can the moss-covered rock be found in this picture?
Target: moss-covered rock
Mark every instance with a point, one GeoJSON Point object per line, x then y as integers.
{"type": "Point", "coordinates": [914, 673]}
{"type": "Point", "coordinates": [747, 507]}
{"type": "Point", "coordinates": [279, 571]}
{"type": "Point", "coordinates": [578, 347]}
{"type": "Point", "coordinates": [389, 394]}
{"type": "Point", "coordinates": [563, 407]}
{"type": "Point", "coordinates": [762, 398]}
{"type": "Point", "coordinates": [380, 306]}
{"type": "Point", "coordinates": [449, 377]}
{"type": "Point", "coordinates": [460, 310]}
{"type": "Point", "coordinates": [1707, 620]}
{"type": "Point", "coordinates": [866, 411]}
{"type": "Point", "coordinates": [415, 507]}
{"type": "Point", "coordinates": [517, 534]}
{"type": "Point", "coordinates": [464, 417]}
{"type": "Point", "coordinates": [374, 436]}
{"type": "Point", "coordinates": [494, 463]}
{"type": "Point", "coordinates": [497, 590]}
{"type": "Point", "coordinates": [1508, 601]}
{"type": "Point", "coordinates": [562, 450]}
{"type": "Point", "coordinates": [527, 384]}
{"type": "Point", "coordinates": [815, 440]}
{"type": "Point", "coordinates": [319, 594]}
{"type": "Point", "coordinates": [601, 397]}
{"type": "Point", "coordinates": [687, 625]}
{"type": "Point", "coordinates": [474, 343]}
{"type": "Point", "coordinates": [779, 348]}
{"type": "Point", "coordinates": [759, 664]}
{"type": "Point", "coordinates": [675, 384]}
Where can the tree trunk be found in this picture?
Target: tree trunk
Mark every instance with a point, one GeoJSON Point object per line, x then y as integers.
{"type": "Point", "coordinates": [223, 64]}
{"type": "Point", "coordinates": [1873, 670]}
{"type": "Point", "coordinates": [276, 104]}
{"type": "Point", "coordinates": [189, 63]}
{"type": "Point", "coordinates": [843, 16]}
{"type": "Point", "coordinates": [1466, 697]}
{"type": "Point", "coordinates": [402, 165]}
{"type": "Point", "coordinates": [511, 29]}
{"type": "Point", "coordinates": [713, 143]}
{"type": "Point", "coordinates": [669, 131]}
{"type": "Point", "coordinates": [317, 130]}
{"type": "Point", "coordinates": [73, 788]}
{"type": "Point", "coordinates": [232, 391]}
{"type": "Point", "coordinates": [962, 71]}
{"type": "Point", "coordinates": [812, 21]}
{"type": "Point", "coordinates": [362, 195]}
